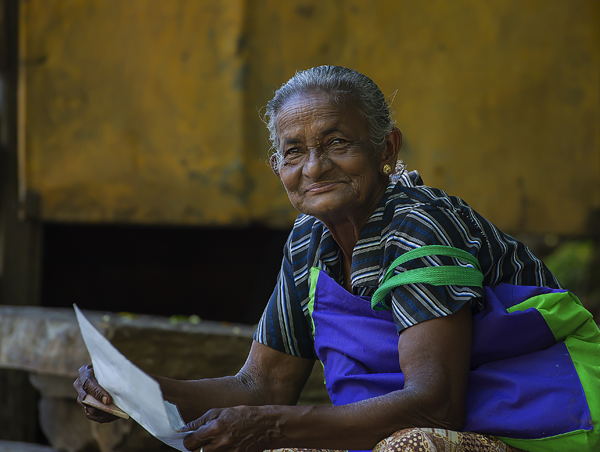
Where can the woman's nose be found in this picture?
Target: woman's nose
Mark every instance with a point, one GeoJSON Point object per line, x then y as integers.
{"type": "Point", "coordinates": [316, 164]}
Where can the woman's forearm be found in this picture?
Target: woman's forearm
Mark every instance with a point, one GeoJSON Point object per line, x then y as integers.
{"type": "Point", "coordinates": [195, 397]}
{"type": "Point", "coordinates": [267, 378]}
{"type": "Point", "coordinates": [361, 425]}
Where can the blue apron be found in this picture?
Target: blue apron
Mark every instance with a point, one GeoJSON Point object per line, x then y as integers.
{"type": "Point", "coordinates": [523, 384]}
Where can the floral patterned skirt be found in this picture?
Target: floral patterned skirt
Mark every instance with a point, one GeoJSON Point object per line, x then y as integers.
{"type": "Point", "coordinates": [433, 440]}
{"type": "Point", "coordinates": [439, 440]}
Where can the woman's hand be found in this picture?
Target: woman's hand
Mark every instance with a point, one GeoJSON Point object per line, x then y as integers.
{"type": "Point", "coordinates": [241, 428]}
{"type": "Point", "coordinates": [86, 384]}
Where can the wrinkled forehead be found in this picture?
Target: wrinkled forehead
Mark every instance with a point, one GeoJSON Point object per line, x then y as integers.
{"type": "Point", "coordinates": [315, 110]}
{"type": "Point", "coordinates": [338, 97]}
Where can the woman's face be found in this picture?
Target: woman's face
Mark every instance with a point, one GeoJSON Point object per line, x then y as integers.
{"type": "Point", "coordinates": [329, 168]}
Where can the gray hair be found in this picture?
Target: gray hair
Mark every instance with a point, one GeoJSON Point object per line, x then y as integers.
{"type": "Point", "coordinates": [343, 85]}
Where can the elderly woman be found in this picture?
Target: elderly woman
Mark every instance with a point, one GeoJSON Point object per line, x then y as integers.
{"type": "Point", "coordinates": [397, 359]}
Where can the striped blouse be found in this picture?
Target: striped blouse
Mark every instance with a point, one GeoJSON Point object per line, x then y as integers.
{"type": "Point", "coordinates": [410, 215]}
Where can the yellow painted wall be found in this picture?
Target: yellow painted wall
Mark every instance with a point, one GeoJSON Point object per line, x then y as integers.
{"type": "Point", "coordinates": [145, 111]}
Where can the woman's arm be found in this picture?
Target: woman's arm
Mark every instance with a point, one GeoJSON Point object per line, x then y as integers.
{"type": "Point", "coordinates": [434, 356]}
{"type": "Point", "coordinates": [267, 377]}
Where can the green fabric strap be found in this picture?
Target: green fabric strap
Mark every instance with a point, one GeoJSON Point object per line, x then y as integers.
{"type": "Point", "coordinates": [437, 276]}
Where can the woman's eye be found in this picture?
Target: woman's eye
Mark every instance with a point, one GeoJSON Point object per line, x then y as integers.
{"type": "Point", "coordinates": [337, 142]}
{"type": "Point", "coordinates": [292, 152]}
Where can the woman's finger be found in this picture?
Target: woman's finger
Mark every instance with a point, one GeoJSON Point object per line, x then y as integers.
{"type": "Point", "coordinates": [202, 420]}
{"type": "Point", "coordinates": [86, 384]}
{"type": "Point", "coordinates": [242, 428]}
{"type": "Point", "coordinates": [204, 430]}
{"type": "Point", "coordinates": [79, 383]}
{"type": "Point", "coordinates": [90, 385]}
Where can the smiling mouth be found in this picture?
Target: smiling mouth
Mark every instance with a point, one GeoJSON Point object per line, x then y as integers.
{"type": "Point", "coordinates": [321, 188]}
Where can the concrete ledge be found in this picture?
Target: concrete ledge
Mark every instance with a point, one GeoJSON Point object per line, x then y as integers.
{"type": "Point", "coordinates": [47, 340]}
{"type": "Point", "coordinates": [47, 343]}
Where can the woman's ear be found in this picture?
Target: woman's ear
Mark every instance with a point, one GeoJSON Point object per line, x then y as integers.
{"type": "Point", "coordinates": [392, 148]}
{"type": "Point", "coordinates": [274, 160]}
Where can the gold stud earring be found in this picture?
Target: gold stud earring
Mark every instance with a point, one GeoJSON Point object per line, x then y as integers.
{"type": "Point", "coordinates": [387, 170]}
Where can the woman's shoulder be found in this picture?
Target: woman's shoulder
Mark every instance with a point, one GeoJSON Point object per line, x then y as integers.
{"type": "Point", "coordinates": [409, 191]}
{"type": "Point", "coordinates": [415, 215]}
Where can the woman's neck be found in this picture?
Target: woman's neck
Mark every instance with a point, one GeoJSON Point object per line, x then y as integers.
{"type": "Point", "coordinates": [346, 228]}
{"type": "Point", "coordinates": [346, 235]}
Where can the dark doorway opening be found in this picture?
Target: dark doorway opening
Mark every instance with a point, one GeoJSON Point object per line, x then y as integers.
{"type": "Point", "coordinates": [215, 273]}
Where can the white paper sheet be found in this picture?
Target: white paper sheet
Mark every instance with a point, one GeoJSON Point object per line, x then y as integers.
{"type": "Point", "coordinates": [132, 390]}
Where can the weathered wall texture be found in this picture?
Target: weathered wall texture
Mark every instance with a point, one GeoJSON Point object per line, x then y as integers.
{"type": "Point", "coordinates": [146, 112]}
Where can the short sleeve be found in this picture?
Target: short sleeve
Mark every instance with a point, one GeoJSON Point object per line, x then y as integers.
{"type": "Point", "coordinates": [283, 325]}
{"type": "Point", "coordinates": [431, 225]}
